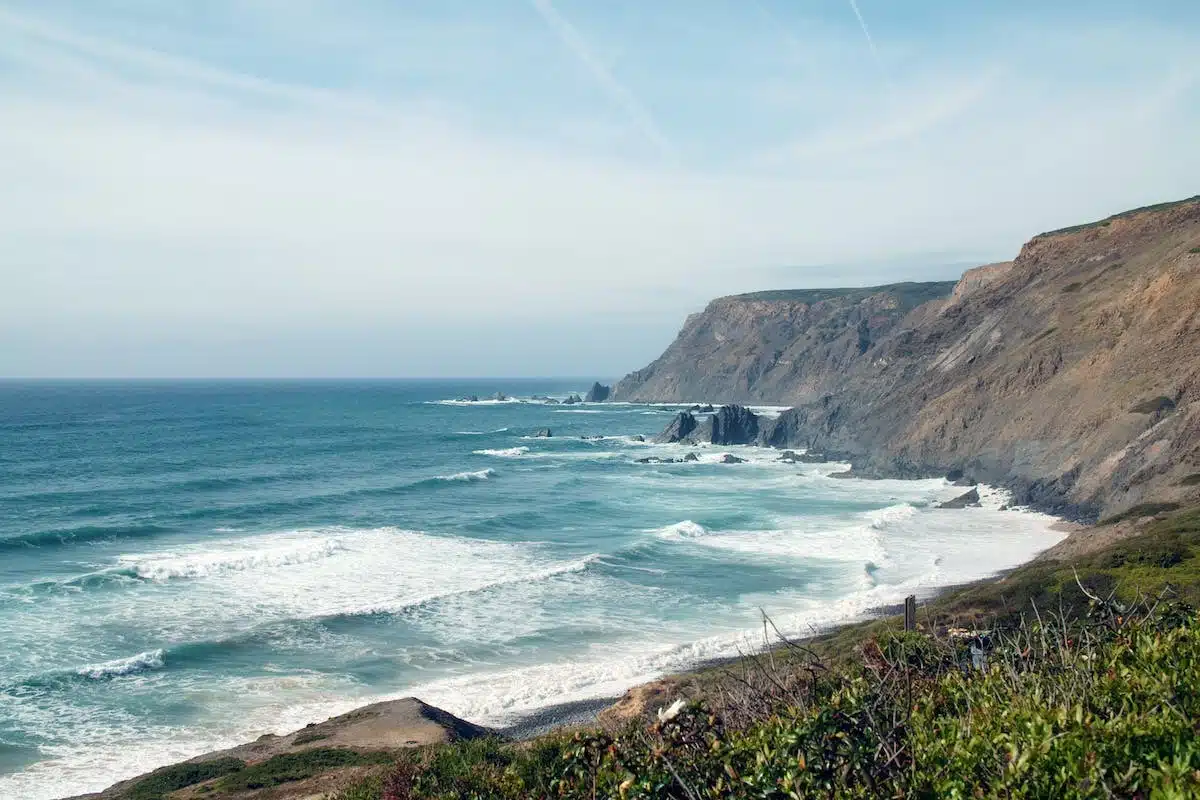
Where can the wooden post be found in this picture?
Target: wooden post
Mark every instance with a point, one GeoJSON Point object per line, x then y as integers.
{"type": "Point", "coordinates": [910, 613]}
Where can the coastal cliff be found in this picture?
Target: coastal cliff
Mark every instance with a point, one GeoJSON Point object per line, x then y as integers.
{"type": "Point", "coordinates": [1070, 375]}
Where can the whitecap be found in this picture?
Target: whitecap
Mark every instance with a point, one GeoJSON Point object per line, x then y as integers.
{"type": "Point", "coordinates": [507, 452]}
{"type": "Point", "coordinates": [142, 662]}
{"type": "Point", "coordinates": [682, 530]}
{"type": "Point", "coordinates": [239, 557]}
{"type": "Point", "coordinates": [469, 477]}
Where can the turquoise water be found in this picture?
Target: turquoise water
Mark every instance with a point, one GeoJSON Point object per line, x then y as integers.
{"type": "Point", "coordinates": [185, 566]}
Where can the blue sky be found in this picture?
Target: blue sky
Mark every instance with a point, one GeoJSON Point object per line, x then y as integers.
{"type": "Point", "coordinates": [539, 187]}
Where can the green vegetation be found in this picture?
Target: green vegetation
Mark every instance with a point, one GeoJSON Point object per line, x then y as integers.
{"type": "Point", "coordinates": [1194, 250]}
{"type": "Point", "coordinates": [1088, 686]}
{"type": "Point", "coordinates": [1122, 215]}
{"type": "Point", "coordinates": [1072, 287]}
{"type": "Point", "coordinates": [290, 767]}
{"type": "Point", "coordinates": [160, 783]}
{"type": "Point", "coordinates": [308, 737]}
{"type": "Point", "coordinates": [1191, 480]}
{"type": "Point", "coordinates": [910, 295]}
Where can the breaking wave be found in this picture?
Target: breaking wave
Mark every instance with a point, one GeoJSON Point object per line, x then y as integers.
{"type": "Point", "coordinates": [507, 452]}
{"type": "Point", "coordinates": [142, 662]}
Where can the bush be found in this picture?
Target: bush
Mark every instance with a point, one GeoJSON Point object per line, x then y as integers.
{"type": "Point", "coordinates": [160, 783]}
{"type": "Point", "coordinates": [289, 767]}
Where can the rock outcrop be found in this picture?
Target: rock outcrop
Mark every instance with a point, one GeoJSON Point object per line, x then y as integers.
{"type": "Point", "coordinates": [598, 393]}
{"type": "Point", "coordinates": [680, 429]}
{"type": "Point", "coordinates": [1070, 375]}
{"type": "Point", "coordinates": [966, 500]}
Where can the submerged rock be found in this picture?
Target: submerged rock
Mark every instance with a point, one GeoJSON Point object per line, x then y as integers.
{"type": "Point", "coordinates": [729, 458]}
{"type": "Point", "coordinates": [705, 409]}
{"type": "Point", "coordinates": [572, 400]}
{"type": "Point", "coordinates": [691, 457]}
{"type": "Point", "coordinates": [543, 433]}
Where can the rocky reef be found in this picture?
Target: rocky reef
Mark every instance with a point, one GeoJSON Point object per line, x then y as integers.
{"type": "Point", "coordinates": [1070, 375]}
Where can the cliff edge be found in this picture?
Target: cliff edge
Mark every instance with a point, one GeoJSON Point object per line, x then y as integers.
{"type": "Point", "coordinates": [1071, 374]}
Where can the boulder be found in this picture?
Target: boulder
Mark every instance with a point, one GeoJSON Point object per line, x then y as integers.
{"type": "Point", "coordinates": [789, 457]}
{"type": "Point", "coordinates": [543, 433]}
{"type": "Point", "coordinates": [682, 427]}
{"type": "Point", "coordinates": [598, 393]}
{"type": "Point", "coordinates": [967, 500]}
{"type": "Point", "coordinates": [729, 458]}
{"type": "Point", "coordinates": [638, 438]}
{"type": "Point", "coordinates": [691, 457]}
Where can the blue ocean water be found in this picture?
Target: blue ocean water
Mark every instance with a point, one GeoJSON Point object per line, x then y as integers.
{"type": "Point", "coordinates": [185, 566]}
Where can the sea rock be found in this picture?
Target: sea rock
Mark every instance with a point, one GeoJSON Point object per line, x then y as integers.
{"type": "Point", "coordinates": [637, 438]}
{"type": "Point", "coordinates": [729, 458]}
{"type": "Point", "coordinates": [550, 401]}
{"type": "Point", "coordinates": [705, 409]}
{"type": "Point", "coordinates": [734, 425]}
{"type": "Point", "coordinates": [691, 457]}
{"type": "Point", "coordinates": [572, 400]}
{"type": "Point", "coordinates": [500, 396]}
{"type": "Point", "coordinates": [966, 500]}
{"type": "Point", "coordinates": [543, 433]}
{"type": "Point", "coordinates": [679, 430]}
{"type": "Point", "coordinates": [598, 393]}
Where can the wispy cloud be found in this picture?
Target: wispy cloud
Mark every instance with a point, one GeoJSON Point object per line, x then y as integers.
{"type": "Point", "coordinates": [870, 42]}
{"type": "Point", "coordinates": [613, 88]}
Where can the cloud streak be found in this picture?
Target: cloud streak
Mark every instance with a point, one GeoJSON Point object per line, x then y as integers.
{"type": "Point", "coordinates": [870, 42]}
{"type": "Point", "coordinates": [569, 35]}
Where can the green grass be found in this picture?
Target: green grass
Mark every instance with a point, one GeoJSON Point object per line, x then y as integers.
{"type": "Point", "coordinates": [160, 783]}
{"type": "Point", "coordinates": [290, 767]}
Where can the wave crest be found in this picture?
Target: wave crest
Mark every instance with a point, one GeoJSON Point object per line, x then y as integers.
{"type": "Point", "coordinates": [682, 530]}
{"type": "Point", "coordinates": [170, 566]}
{"type": "Point", "coordinates": [468, 477]}
{"type": "Point", "coordinates": [507, 452]}
{"type": "Point", "coordinates": [142, 662]}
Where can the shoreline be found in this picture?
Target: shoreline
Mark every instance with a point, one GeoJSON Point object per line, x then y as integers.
{"type": "Point", "coordinates": [534, 723]}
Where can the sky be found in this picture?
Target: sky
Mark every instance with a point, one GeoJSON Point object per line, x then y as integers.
{"type": "Point", "coordinates": [354, 188]}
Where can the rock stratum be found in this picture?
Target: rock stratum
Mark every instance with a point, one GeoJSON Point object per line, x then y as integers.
{"type": "Point", "coordinates": [1070, 375]}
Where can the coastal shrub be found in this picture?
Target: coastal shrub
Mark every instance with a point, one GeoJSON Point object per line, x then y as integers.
{"type": "Point", "coordinates": [162, 782]}
{"type": "Point", "coordinates": [1067, 707]}
{"type": "Point", "coordinates": [1191, 480]}
{"type": "Point", "coordinates": [1194, 250]}
{"type": "Point", "coordinates": [308, 737]}
{"type": "Point", "coordinates": [289, 767]}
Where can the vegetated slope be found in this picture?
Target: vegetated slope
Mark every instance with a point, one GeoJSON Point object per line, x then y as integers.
{"type": "Point", "coordinates": [1071, 375]}
{"type": "Point", "coordinates": [785, 346]}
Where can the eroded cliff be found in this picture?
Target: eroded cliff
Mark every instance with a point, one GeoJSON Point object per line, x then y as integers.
{"type": "Point", "coordinates": [1071, 375]}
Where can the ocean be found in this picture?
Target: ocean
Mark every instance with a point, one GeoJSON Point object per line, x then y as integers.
{"type": "Point", "coordinates": [185, 566]}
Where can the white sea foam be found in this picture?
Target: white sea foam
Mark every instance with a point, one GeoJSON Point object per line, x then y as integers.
{"type": "Point", "coordinates": [142, 662]}
{"type": "Point", "coordinates": [237, 557]}
{"type": "Point", "coordinates": [681, 530]}
{"type": "Point", "coordinates": [469, 477]}
{"type": "Point", "coordinates": [507, 452]}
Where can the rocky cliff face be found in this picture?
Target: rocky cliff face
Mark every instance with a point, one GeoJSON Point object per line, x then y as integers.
{"type": "Point", "coordinates": [1072, 375]}
{"type": "Point", "coordinates": [777, 347]}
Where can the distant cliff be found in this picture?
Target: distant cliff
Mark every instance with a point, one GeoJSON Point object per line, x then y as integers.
{"type": "Point", "coordinates": [1071, 374]}
{"type": "Point", "coordinates": [775, 347]}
